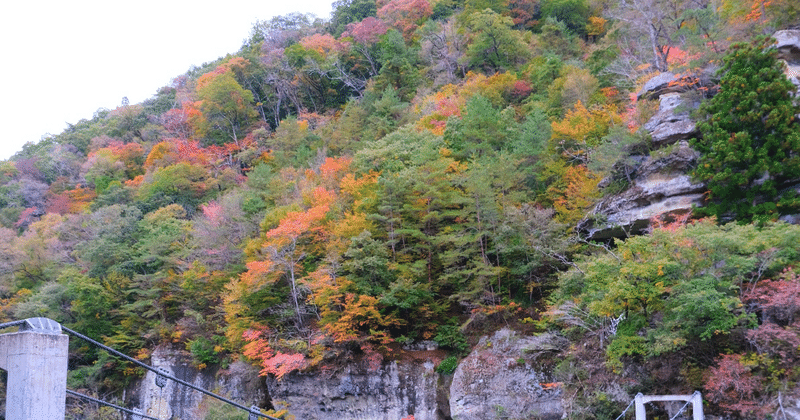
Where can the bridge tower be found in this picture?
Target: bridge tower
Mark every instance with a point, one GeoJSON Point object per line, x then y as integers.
{"type": "Point", "coordinates": [35, 358]}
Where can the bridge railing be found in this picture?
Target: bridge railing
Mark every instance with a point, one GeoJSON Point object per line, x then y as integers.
{"type": "Point", "coordinates": [696, 399]}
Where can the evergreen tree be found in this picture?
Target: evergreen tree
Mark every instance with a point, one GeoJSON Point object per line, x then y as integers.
{"type": "Point", "coordinates": [751, 137]}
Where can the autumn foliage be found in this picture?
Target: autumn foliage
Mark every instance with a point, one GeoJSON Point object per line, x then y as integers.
{"type": "Point", "coordinates": [411, 170]}
{"type": "Point", "coordinates": [272, 362]}
{"type": "Point", "coordinates": [733, 385]}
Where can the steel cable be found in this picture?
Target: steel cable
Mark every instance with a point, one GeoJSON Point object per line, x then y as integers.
{"type": "Point", "coordinates": [157, 372]}
{"type": "Point", "coordinates": [626, 409]}
{"type": "Point", "coordinates": [681, 410]}
{"type": "Point", "coordinates": [11, 324]}
{"type": "Point", "coordinates": [108, 404]}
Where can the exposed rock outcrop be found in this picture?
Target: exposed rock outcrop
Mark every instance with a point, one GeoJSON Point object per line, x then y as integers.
{"type": "Point", "coordinates": [657, 86]}
{"type": "Point", "coordinates": [239, 382]}
{"type": "Point", "coordinates": [788, 44]}
{"type": "Point", "coordinates": [672, 121]}
{"type": "Point", "coordinates": [665, 83]}
{"type": "Point", "coordinates": [392, 392]}
{"type": "Point", "coordinates": [662, 184]}
{"type": "Point", "coordinates": [506, 376]}
{"type": "Point", "coordinates": [793, 413]}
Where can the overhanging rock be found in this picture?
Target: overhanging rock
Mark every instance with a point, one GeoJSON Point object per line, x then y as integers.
{"type": "Point", "coordinates": [662, 184]}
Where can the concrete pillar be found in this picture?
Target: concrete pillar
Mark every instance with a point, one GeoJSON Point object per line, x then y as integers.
{"type": "Point", "coordinates": [697, 406]}
{"type": "Point", "coordinates": [641, 414]}
{"type": "Point", "coordinates": [35, 358]}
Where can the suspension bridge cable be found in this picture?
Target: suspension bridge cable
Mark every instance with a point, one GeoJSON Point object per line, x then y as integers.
{"type": "Point", "coordinates": [626, 409]}
{"type": "Point", "coordinates": [168, 376]}
{"type": "Point", "coordinates": [681, 410]}
{"type": "Point", "coordinates": [11, 324]}
{"type": "Point", "coordinates": [108, 404]}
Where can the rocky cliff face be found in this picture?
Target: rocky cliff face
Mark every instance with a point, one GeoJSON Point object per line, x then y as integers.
{"type": "Point", "coordinates": [672, 122]}
{"type": "Point", "coordinates": [392, 392]}
{"type": "Point", "coordinates": [506, 376]}
{"type": "Point", "coordinates": [239, 382]}
{"type": "Point", "coordinates": [661, 183]}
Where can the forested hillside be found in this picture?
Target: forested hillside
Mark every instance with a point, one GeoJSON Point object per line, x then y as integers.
{"type": "Point", "coordinates": [415, 170]}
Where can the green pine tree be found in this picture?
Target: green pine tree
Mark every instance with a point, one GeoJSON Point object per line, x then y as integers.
{"type": "Point", "coordinates": [750, 137]}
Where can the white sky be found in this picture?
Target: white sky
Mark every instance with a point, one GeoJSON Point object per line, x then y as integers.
{"type": "Point", "coordinates": [61, 60]}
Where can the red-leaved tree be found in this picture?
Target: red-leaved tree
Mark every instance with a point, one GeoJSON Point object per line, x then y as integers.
{"type": "Point", "coordinates": [272, 362]}
{"type": "Point", "coordinates": [405, 15]}
{"type": "Point", "coordinates": [733, 386]}
{"type": "Point", "coordinates": [777, 302]}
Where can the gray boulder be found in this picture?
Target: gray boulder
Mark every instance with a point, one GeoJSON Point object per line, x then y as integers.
{"type": "Point", "coordinates": [788, 44]}
{"type": "Point", "coordinates": [503, 378]}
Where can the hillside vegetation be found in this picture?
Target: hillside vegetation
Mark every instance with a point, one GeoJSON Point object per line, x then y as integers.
{"type": "Point", "coordinates": [415, 170]}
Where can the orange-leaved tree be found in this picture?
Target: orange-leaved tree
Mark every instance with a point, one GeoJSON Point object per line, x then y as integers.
{"type": "Point", "coordinates": [283, 249]}
{"type": "Point", "coordinates": [572, 191]}
{"type": "Point", "coordinates": [581, 130]}
{"type": "Point", "coordinates": [273, 362]}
